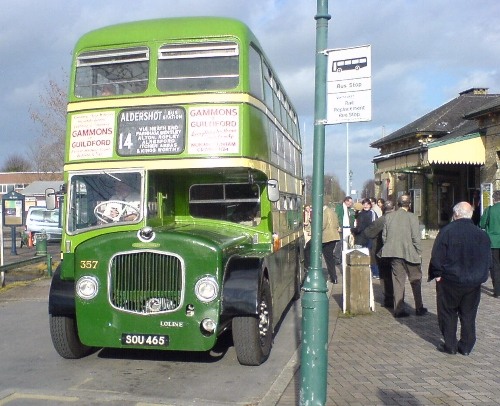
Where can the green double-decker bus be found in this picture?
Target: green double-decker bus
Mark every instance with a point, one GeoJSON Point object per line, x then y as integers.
{"type": "Point", "coordinates": [182, 198]}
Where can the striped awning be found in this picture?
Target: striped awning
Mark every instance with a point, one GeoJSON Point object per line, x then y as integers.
{"type": "Point", "coordinates": [468, 149]}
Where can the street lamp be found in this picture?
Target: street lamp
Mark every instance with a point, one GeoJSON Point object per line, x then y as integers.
{"type": "Point", "coordinates": [314, 351]}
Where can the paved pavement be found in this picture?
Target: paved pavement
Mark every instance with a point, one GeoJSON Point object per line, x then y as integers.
{"type": "Point", "coordinates": [379, 360]}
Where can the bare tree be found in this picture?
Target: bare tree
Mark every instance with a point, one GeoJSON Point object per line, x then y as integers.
{"type": "Point", "coordinates": [368, 188]}
{"type": "Point", "coordinates": [331, 187]}
{"type": "Point", "coordinates": [16, 163]}
{"type": "Point", "coordinates": [49, 115]}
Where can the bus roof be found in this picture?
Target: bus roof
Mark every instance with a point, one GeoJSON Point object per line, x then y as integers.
{"type": "Point", "coordinates": [163, 29]}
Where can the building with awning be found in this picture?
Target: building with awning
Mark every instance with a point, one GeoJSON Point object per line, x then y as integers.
{"type": "Point", "coordinates": [439, 158]}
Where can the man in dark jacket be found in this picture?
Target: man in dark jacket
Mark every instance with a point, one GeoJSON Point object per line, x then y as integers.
{"type": "Point", "coordinates": [460, 263]}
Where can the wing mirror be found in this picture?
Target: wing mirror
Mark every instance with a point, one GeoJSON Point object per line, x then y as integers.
{"type": "Point", "coordinates": [50, 199]}
{"type": "Point", "coordinates": [273, 190]}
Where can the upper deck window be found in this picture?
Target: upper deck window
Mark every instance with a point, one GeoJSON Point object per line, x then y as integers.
{"type": "Point", "coordinates": [112, 72]}
{"type": "Point", "coordinates": [198, 66]}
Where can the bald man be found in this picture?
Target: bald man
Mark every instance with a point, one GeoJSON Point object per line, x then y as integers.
{"type": "Point", "coordinates": [460, 263]}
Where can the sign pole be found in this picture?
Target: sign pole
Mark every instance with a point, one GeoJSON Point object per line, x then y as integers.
{"type": "Point", "coordinates": [347, 174]}
{"type": "Point", "coordinates": [13, 250]}
{"type": "Point", "coordinates": [314, 352]}
{"type": "Point", "coordinates": [2, 273]}
{"type": "Point", "coordinates": [13, 215]}
{"type": "Point", "coordinates": [1, 239]}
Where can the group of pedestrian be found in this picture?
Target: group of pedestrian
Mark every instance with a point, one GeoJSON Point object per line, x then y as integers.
{"type": "Point", "coordinates": [462, 257]}
{"type": "Point", "coordinates": [460, 262]}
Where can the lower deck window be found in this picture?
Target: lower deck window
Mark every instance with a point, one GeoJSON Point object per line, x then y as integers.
{"type": "Point", "coordinates": [234, 202]}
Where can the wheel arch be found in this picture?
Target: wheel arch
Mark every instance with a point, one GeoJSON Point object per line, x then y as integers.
{"type": "Point", "coordinates": [61, 296]}
{"type": "Point", "coordinates": [242, 282]}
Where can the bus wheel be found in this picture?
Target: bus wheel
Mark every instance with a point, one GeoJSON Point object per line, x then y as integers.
{"type": "Point", "coordinates": [253, 336]}
{"type": "Point", "coordinates": [65, 338]}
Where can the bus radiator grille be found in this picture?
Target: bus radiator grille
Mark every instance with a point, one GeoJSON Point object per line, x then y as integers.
{"type": "Point", "coordinates": [146, 282]}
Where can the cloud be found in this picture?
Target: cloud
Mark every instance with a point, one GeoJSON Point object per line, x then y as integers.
{"type": "Point", "coordinates": [424, 54]}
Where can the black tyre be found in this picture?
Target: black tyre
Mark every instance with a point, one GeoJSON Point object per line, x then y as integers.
{"type": "Point", "coordinates": [253, 335]}
{"type": "Point", "coordinates": [64, 334]}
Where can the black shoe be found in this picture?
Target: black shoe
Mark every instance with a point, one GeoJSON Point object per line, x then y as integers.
{"type": "Point", "coordinates": [442, 348]}
{"type": "Point", "coordinates": [334, 281]}
{"type": "Point", "coordinates": [400, 315]}
{"type": "Point", "coordinates": [388, 305]}
{"type": "Point", "coordinates": [421, 312]}
{"type": "Point", "coordinates": [463, 352]}
{"type": "Point", "coordinates": [495, 294]}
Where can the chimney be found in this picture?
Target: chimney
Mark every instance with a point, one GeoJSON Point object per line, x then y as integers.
{"type": "Point", "coordinates": [475, 91]}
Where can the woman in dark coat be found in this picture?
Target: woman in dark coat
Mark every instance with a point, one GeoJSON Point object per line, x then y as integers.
{"type": "Point", "coordinates": [363, 219]}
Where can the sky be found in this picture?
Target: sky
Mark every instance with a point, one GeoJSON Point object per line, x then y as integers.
{"type": "Point", "coordinates": [424, 53]}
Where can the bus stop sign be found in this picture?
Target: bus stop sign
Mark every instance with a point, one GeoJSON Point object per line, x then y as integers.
{"type": "Point", "coordinates": [13, 209]}
{"type": "Point", "coordinates": [349, 85]}
{"type": "Point", "coordinates": [13, 214]}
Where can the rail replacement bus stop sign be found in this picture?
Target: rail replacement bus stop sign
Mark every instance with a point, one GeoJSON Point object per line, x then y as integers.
{"type": "Point", "coordinates": [349, 85]}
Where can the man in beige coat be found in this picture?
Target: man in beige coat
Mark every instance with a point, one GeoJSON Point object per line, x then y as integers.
{"type": "Point", "coordinates": [330, 237]}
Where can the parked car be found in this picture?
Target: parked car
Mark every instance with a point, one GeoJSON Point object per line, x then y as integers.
{"type": "Point", "coordinates": [40, 219]}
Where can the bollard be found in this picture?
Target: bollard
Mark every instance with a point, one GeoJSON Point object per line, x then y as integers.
{"type": "Point", "coordinates": [41, 244]}
{"type": "Point", "coordinates": [358, 282]}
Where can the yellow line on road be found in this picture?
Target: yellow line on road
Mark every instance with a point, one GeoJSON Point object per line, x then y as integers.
{"type": "Point", "coordinates": [16, 396]}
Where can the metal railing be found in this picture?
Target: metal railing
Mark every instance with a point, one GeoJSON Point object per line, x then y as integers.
{"type": "Point", "coordinates": [25, 262]}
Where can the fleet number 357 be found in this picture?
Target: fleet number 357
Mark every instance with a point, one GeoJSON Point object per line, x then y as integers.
{"type": "Point", "coordinates": [88, 264]}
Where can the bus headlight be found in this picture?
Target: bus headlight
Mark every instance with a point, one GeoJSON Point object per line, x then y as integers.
{"type": "Point", "coordinates": [206, 289]}
{"type": "Point", "coordinates": [87, 287]}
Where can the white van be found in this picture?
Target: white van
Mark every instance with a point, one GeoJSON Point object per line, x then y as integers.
{"type": "Point", "coordinates": [40, 219]}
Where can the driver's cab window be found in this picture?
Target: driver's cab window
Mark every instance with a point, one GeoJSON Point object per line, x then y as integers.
{"type": "Point", "coordinates": [104, 198]}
